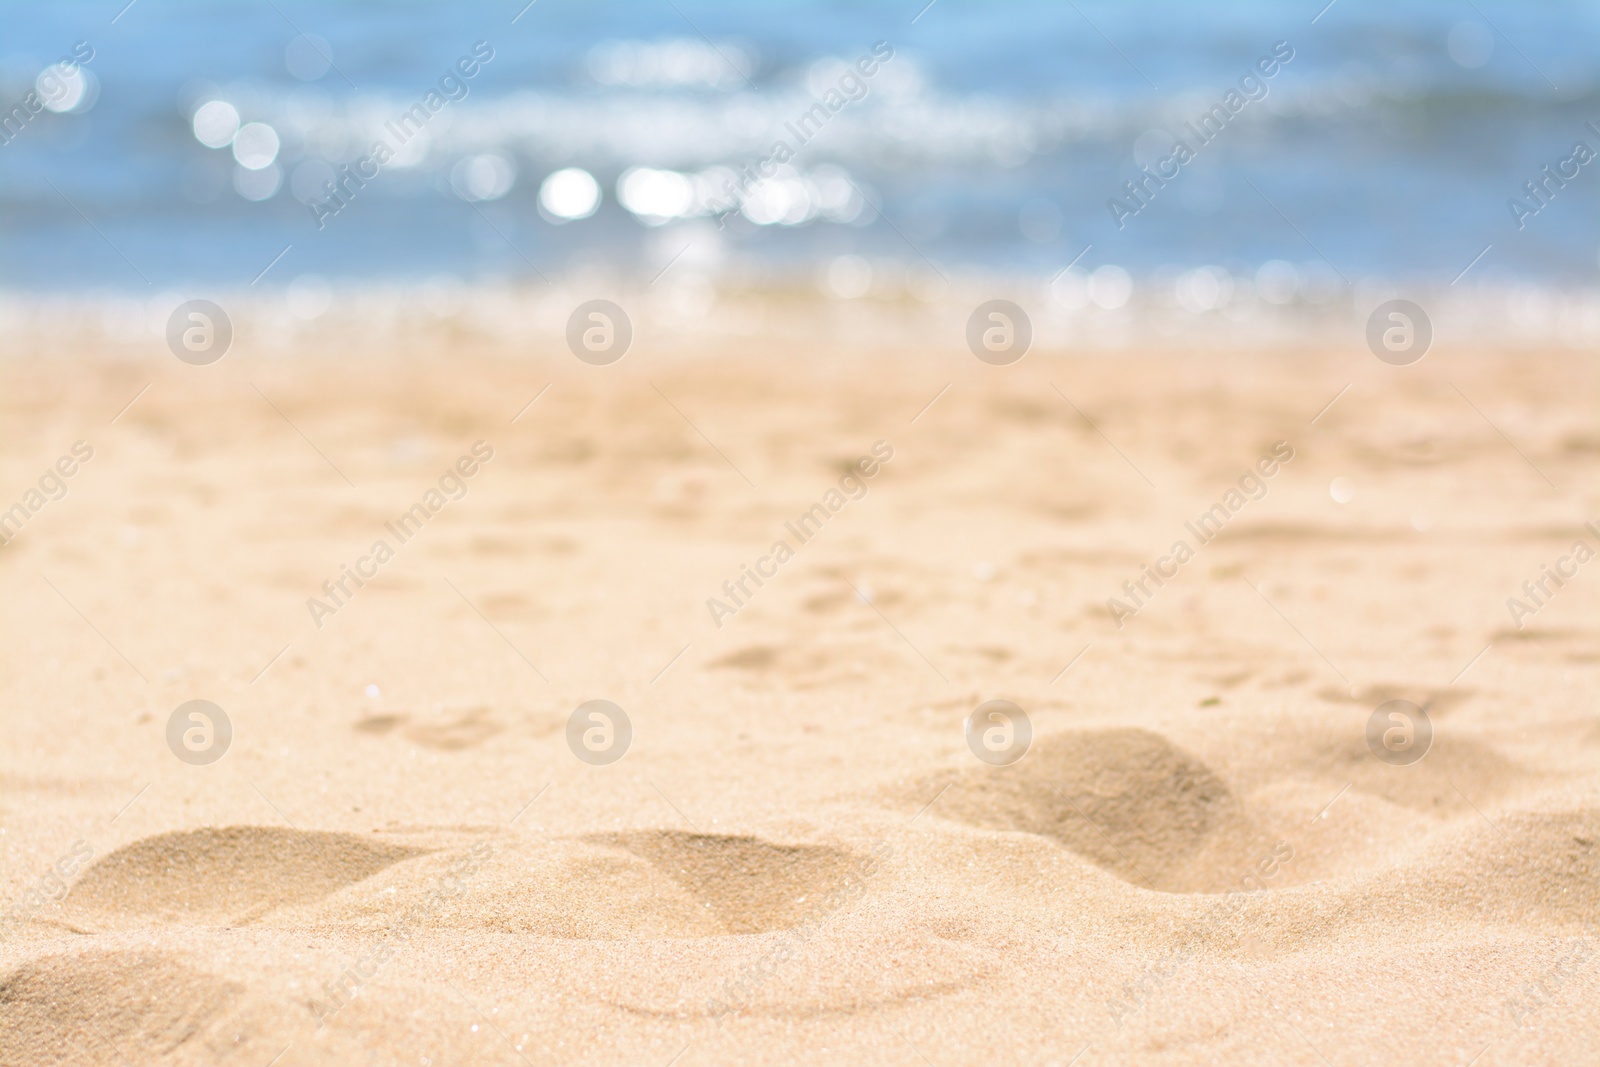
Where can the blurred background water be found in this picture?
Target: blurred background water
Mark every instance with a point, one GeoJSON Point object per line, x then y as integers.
{"type": "Point", "coordinates": [190, 148]}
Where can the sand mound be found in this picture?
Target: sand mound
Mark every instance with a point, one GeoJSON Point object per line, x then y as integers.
{"type": "Point", "coordinates": [748, 884]}
{"type": "Point", "coordinates": [1523, 869]}
{"type": "Point", "coordinates": [1127, 800]}
{"type": "Point", "coordinates": [572, 890]}
{"type": "Point", "coordinates": [110, 1008]}
{"type": "Point", "coordinates": [228, 875]}
{"type": "Point", "coordinates": [1456, 773]}
{"type": "Point", "coordinates": [646, 885]}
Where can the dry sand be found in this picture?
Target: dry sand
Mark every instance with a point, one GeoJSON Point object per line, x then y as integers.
{"type": "Point", "coordinates": [799, 860]}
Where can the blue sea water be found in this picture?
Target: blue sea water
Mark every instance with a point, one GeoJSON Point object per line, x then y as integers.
{"type": "Point", "coordinates": [994, 139]}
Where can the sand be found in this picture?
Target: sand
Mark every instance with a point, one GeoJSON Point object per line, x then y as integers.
{"type": "Point", "coordinates": [798, 860]}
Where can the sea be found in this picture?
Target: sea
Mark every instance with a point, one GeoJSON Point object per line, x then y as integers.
{"type": "Point", "coordinates": [1238, 149]}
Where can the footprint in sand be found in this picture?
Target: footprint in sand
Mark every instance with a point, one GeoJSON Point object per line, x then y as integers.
{"type": "Point", "coordinates": [225, 875]}
{"type": "Point", "coordinates": [1127, 800]}
{"type": "Point", "coordinates": [464, 729]}
{"type": "Point", "coordinates": [119, 1007]}
{"type": "Point", "coordinates": [454, 731]}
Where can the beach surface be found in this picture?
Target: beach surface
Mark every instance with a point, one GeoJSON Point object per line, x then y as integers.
{"type": "Point", "coordinates": [399, 856]}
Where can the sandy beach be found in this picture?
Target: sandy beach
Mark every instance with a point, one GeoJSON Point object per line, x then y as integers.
{"type": "Point", "coordinates": [401, 854]}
